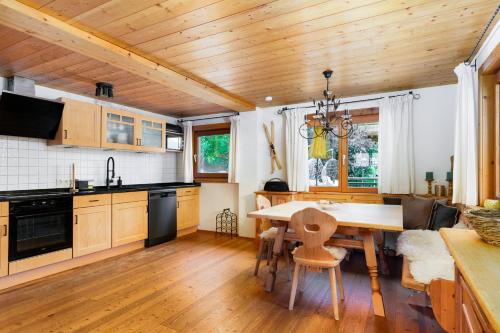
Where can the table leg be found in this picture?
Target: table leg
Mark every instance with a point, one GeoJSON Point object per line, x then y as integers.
{"type": "Point", "coordinates": [371, 263]}
{"type": "Point", "coordinates": [278, 246]}
{"type": "Point", "coordinates": [384, 268]}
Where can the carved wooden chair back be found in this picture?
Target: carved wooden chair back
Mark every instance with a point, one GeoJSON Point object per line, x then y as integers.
{"type": "Point", "coordinates": [313, 227]}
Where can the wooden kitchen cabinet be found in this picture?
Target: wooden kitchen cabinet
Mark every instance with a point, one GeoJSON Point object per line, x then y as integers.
{"type": "Point", "coordinates": [119, 129]}
{"type": "Point", "coordinates": [151, 135]}
{"type": "Point", "coordinates": [80, 125]}
{"type": "Point", "coordinates": [91, 230]}
{"type": "Point", "coordinates": [130, 131]}
{"type": "Point", "coordinates": [4, 246]}
{"type": "Point", "coordinates": [129, 222]}
{"type": "Point", "coordinates": [188, 208]}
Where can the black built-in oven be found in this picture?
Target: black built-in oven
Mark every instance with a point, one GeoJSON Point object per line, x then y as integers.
{"type": "Point", "coordinates": [39, 225]}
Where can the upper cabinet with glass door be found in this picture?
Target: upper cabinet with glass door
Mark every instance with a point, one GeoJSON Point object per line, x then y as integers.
{"type": "Point", "coordinates": [119, 129]}
{"type": "Point", "coordinates": [151, 134]}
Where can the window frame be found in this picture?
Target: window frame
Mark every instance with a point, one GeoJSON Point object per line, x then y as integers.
{"type": "Point", "coordinates": [363, 115]}
{"type": "Point", "coordinates": [206, 130]}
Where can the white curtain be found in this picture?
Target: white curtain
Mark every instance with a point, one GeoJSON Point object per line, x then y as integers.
{"type": "Point", "coordinates": [187, 155]}
{"type": "Point", "coordinates": [465, 168]}
{"type": "Point", "coordinates": [396, 151]}
{"type": "Point", "coordinates": [233, 168]}
{"type": "Point", "coordinates": [296, 151]}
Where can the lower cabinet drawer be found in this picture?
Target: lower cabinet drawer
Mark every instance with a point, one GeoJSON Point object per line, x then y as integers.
{"type": "Point", "coordinates": [130, 222]}
{"type": "Point", "coordinates": [91, 200]}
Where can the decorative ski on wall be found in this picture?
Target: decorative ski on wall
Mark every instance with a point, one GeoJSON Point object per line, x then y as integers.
{"type": "Point", "coordinates": [275, 161]}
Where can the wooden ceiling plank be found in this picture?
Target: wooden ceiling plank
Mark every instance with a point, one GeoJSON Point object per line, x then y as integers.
{"type": "Point", "coordinates": [339, 62]}
{"type": "Point", "coordinates": [291, 26]}
{"type": "Point", "coordinates": [197, 17]}
{"type": "Point", "coordinates": [224, 30]}
{"type": "Point", "coordinates": [285, 47]}
{"type": "Point", "coordinates": [334, 54]}
{"type": "Point", "coordinates": [45, 27]}
{"type": "Point", "coordinates": [162, 11]}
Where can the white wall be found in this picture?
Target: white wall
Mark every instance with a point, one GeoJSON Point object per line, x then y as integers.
{"type": "Point", "coordinates": [27, 163]}
{"type": "Point", "coordinates": [214, 197]}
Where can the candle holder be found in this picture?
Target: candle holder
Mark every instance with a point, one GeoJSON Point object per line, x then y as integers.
{"type": "Point", "coordinates": [429, 177]}
{"type": "Point", "coordinates": [449, 179]}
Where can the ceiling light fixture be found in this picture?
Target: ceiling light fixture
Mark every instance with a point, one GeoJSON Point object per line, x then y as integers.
{"type": "Point", "coordinates": [327, 120]}
{"type": "Point", "coordinates": [104, 89]}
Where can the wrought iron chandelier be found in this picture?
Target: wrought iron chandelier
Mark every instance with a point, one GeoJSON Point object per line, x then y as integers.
{"type": "Point", "coordinates": [327, 120]}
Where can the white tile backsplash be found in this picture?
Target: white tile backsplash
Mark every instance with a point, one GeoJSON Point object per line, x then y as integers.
{"type": "Point", "coordinates": [31, 164]}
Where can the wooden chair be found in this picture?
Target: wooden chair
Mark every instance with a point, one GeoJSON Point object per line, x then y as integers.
{"type": "Point", "coordinates": [314, 227]}
{"type": "Point", "coordinates": [267, 237]}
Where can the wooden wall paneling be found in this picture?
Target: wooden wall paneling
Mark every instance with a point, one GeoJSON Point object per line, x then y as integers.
{"type": "Point", "coordinates": [487, 100]}
{"type": "Point", "coordinates": [497, 137]}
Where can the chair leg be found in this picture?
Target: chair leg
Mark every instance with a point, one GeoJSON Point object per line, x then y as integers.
{"type": "Point", "coordinates": [259, 257]}
{"type": "Point", "coordinates": [333, 287]}
{"type": "Point", "coordinates": [295, 282]}
{"type": "Point", "coordinates": [287, 260]}
{"type": "Point", "coordinates": [340, 281]}
{"type": "Point", "coordinates": [270, 245]}
{"type": "Point", "coordinates": [302, 282]}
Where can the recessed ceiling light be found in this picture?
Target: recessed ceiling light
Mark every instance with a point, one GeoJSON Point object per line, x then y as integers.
{"type": "Point", "coordinates": [268, 98]}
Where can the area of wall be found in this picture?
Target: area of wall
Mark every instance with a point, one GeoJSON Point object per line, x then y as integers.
{"type": "Point", "coordinates": [215, 197]}
{"type": "Point", "coordinates": [27, 163]}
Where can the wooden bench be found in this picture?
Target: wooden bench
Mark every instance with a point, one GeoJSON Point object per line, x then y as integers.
{"type": "Point", "coordinates": [440, 291]}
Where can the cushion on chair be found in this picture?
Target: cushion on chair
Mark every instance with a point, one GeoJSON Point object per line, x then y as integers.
{"type": "Point", "coordinates": [269, 233]}
{"type": "Point", "coordinates": [416, 212]}
{"type": "Point", "coordinates": [338, 252]}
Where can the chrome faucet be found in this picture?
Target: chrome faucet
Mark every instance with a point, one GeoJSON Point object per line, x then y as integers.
{"type": "Point", "coordinates": [110, 180]}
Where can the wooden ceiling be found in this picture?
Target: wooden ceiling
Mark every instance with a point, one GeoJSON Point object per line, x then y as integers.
{"type": "Point", "coordinates": [253, 48]}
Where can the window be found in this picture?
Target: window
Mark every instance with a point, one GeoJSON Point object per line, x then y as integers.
{"type": "Point", "coordinates": [347, 164]}
{"type": "Point", "coordinates": [211, 152]}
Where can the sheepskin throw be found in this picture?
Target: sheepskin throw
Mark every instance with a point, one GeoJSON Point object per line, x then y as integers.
{"type": "Point", "coordinates": [427, 254]}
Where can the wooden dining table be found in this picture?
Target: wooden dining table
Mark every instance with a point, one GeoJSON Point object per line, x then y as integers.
{"type": "Point", "coordinates": [354, 219]}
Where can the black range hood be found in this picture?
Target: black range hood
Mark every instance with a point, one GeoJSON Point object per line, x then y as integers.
{"type": "Point", "coordinates": [28, 116]}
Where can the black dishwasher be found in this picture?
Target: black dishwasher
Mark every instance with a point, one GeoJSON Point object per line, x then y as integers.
{"type": "Point", "coordinates": [162, 220]}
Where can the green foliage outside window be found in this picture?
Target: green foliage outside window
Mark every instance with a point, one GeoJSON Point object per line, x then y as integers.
{"type": "Point", "coordinates": [214, 153]}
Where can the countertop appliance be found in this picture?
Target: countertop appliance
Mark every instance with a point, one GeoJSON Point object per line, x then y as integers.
{"type": "Point", "coordinates": [175, 137]}
{"type": "Point", "coordinates": [39, 225]}
{"type": "Point", "coordinates": [162, 219]}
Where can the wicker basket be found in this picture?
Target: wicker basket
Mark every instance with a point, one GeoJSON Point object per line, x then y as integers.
{"type": "Point", "coordinates": [486, 222]}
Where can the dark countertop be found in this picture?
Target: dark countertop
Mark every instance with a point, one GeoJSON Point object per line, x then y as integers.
{"type": "Point", "coordinates": [61, 192]}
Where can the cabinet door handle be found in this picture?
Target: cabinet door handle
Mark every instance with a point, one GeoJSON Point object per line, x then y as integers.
{"type": "Point", "coordinates": [76, 219]}
{"type": "Point", "coordinates": [94, 200]}
{"type": "Point", "coordinates": [65, 134]}
{"type": "Point", "coordinates": [5, 230]}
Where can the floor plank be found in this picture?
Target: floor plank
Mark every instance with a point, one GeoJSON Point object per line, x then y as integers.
{"type": "Point", "coordinates": [202, 283]}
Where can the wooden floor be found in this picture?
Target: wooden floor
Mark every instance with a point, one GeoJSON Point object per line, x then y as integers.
{"type": "Point", "coordinates": [201, 284]}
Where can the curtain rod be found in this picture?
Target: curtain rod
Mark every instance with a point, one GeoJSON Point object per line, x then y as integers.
{"type": "Point", "coordinates": [486, 28]}
{"type": "Point", "coordinates": [207, 118]}
{"type": "Point", "coordinates": [415, 96]}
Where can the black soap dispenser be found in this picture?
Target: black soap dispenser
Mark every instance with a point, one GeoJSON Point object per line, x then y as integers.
{"type": "Point", "coordinates": [119, 183]}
